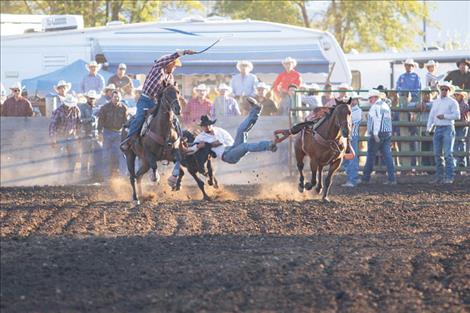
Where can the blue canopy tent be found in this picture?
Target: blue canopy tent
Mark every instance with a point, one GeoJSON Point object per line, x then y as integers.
{"type": "Point", "coordinates": [44, 84]}
{"type": "Point", "coordinates": [220, 59]}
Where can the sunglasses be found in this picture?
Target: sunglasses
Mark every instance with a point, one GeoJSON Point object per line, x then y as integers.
{"type": "Point", "coordinates": [444, 89]}
{"type": "Point", "coordinates": [15, 90]}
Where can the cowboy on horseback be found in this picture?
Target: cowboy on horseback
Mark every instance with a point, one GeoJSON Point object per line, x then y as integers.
{"type": "Point", "coordinates": [160, 75]}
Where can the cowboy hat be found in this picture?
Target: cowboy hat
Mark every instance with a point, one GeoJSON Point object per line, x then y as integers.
{"type": "Point", "coordinates": [70, 100]}
{"type": "Point", "coordinates": [92, 94]}
{"type": "Point", "coordinates": [375, 93]}
{"type": "Point", "coordinates": [448, 85]}
{"type": "Point", "coordinates": [290, 60]}
{"type": "Point", "coordinates": [110, 87]}
{"type": "Point", "coordinates": [206, 121]}
{"type": "Point", "coordinates": [17, 85]}
{"type": "Point", "coordinates": [262, 85]}
{"type": "Point", "coordinates": [245, 63]}
{"type": "Point", "coordinates": [63, 83]}
{"type": "Point", "coordinates": [463, 61]}
{"type": "Point", "coordinates": [177, 63]}
{"type": "Point", "coordinates": [200, 87]}
{"type": "Point", "coordinates": [93, 64]}
{"type": "Point", "coordinates": [225, 87]}
{"type": "Point", "coordinates": [410, 62]}
{"type": "Point", "coordinates": [122, 65]}
{"type": "Point", "coordinates": [459, 91]}
{"type": "Point", "coordinates": [431, 63]}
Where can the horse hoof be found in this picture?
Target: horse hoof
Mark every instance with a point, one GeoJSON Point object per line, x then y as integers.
{"type": "Point", "coordinates": [308, 186]}
{"type": "Point", "coordinates": [326, 200]}
{"type": "Point", "coordinates": [301, 188]}
{"type": "Point", "coordinates": [210, 183]}
{"type": "Point", "coordinates": [207, 198]}
{"type": "Point", "coordinates": [136, 202]}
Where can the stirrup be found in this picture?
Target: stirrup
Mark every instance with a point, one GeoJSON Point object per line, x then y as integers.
{"type": "Point", "coordinates": [281, 134]}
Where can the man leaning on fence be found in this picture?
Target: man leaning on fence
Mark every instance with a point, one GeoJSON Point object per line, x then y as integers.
{"type": "Point", "coordinates": [444, 111]}
{"type": "Point", "coordinates": [408, 83]}
{"type": "Point", "coordinates": [379, 129]}
{"type": "Point", "coordinates": [63, 130]}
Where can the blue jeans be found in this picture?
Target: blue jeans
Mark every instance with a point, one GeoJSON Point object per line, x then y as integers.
{"type": "Point", "coordinates": [143, 103]}
{"type": "Point", "coordinates": [113, 158]}
{"type": "Point", "coordinates": [240, 147]}
{"type": "Point", "coordinates": [461, 145]}
{"type": "Point", "coordinates": [443, 139]}
{"type": "Point", "coordinates": [384, 145]}
{"type": "Point", "coordinates": [352, 166]}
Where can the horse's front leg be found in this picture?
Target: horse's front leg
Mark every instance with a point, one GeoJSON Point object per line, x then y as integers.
{"type": "Point", "coordinates": [144, 167]}
{"type": "Point", "coordinates": [313, 168]}
{"type": "Point", "coordinates": [329, 178]}
{"type": "Point", "coordinates": [319, 187]}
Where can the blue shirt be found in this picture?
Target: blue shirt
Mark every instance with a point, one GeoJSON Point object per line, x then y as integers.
{"type": "Point", "coordinates": [409, 81]}
{"type": "Point", "coordinates": [91, 82]}
{"type": "Point", "coordinates": [379, 120]}
{"type": "Point", "coordinates": [244, 85]}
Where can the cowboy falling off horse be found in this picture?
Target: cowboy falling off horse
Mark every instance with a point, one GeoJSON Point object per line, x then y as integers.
{"type": "Point", "coordinates": [162, 137]}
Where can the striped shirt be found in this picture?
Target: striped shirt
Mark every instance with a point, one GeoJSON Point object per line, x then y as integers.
{"type": "Point", "coordinates": [65, 122]}
{"type": "Point", "coordinates": [157, 77]}
{"type": "Point", "coordinates": [356, 116]}
{"type": "Point", "coordinates": [379, 120]}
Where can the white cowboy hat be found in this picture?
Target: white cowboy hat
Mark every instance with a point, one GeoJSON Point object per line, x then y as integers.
{"type": "Point", "coordinates": [290, 60]}
{"type": "Point", "coordinates": [344, 86]}
{"type": "Point", "coordinates": [17, 85]}
{"type": "Point", "coordinates": [70, 100]}
{"type": "Point", "coordinates": [262, 85]}
{"type": "Point", "coordinates": [245, 63]}
{"type": "Point", "coordinates": [431, 63]}
{"type": "Point", "coordinates": [63, 83]}
{"type": "Point", "coordinates": [448, 85]}
{"type": "Point", "coordinates": [225, 87]}
{"type": "Point", "coordinates": [92, 94]}
{"type": "Point", "coordinates": [200, 87]}
{"type": "Point", "coordinates": [110, 87]}
{"type": "Point", "coordinates": [410, 62]}
{"type": "Point", "coordinates": [122, 65]}
{"type": "Point", "coordinates": [91, 64]}
{"type": "Point", "coordinates": [375, 93]}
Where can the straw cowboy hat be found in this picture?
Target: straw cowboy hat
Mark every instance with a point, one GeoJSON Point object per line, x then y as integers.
{"type": "Point", "coordinates": [92, 94]}
{"type": "Point", "coordinates": [70, 100]}
{"type": "Point", "coordinates": [463, 61]}
{"type": "Point", "coordinates": [201, 87]}
{"type": "Point", "coordinates": [225, 87]}
{"type": "Point", "coordinates": [431, 63]}
{"type": "Point", "coordinates": [63, 83]}
{"type": "Point", "coordinates": [206, 121]}
{"type": "Point", "coordinates": [290, 60]}
{"type": "Point", "coordinates": [245, 63]}
{"type": "Point", "coordinates": [448, 85]}
{"type": "Point", "coordinates": [375, 93]}
{"type": "Point", "coordinates": [110, 87]}
{"type": "Point", "coordinates": [262, 85]}
{"type": "Point", "coordinates": [410, 62]}
{"type": "Point", "coordinates": [93, 64]}
{"type": "Point", "coordinates": [459, 91]}
{"type": "Point", "coordinates": [17, 85]}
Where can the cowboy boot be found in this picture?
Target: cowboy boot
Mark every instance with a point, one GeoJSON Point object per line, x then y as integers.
{"type": "Point", "coordinates": [127, 143]}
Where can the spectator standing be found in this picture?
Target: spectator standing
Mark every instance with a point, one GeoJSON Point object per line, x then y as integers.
{"type": "Point", "coordinates": [61, 89]}
{"type": "Point", "coordinates": [461, 132]}
{"type": "Point", "coordinates": [379, 129]}
{"type": "Point", "coordinates": [243, 84]}
{"type": "Point", "coordinates": [224, 104]}
{"type": "Point", "coordinates": [288, 100]}
{"type": "Point", "coordinates": [460, 77]}
{"type": "Point", "coordinates": [342, 94]}
{"type": "Point", "coordinates": [17, 105]}
{"type": "Point", "coordinates": [197, 106]}
{"type": "Point", "coordinates": [287, 78]}
{"type": "Point", "coordinates": [444, 111]}
{"type": "Point", "coordinates": [107, 96]}
{"type": "Point", "coordinates": [409, 83]}
{"type": "Point", "coordinates": [432, 79]}
{"type": "Point", "coordinates": [269, 107]}
{"type": "Point", "coordinates": [122, 81]}
{"type": "Point", "coordinates": [313, 99]}
{"type": "Point", "coordinates": [64, 130]}
{"type": "Point", "coordinates": [94, 80]}
{"type": "Point", "coordinates": [352, 166]}
{"type": "Point", "coordinates": [327, 95]}
{"type": "Point", "coordinates": [111, 118]}
{"type": "Point", "coordinates": [91, 150]}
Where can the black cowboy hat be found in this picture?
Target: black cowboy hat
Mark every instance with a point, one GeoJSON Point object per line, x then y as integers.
{"type": "Point", "coordinates": [206, 121]}
{"type": "Point", "coordinates": [463, 61]}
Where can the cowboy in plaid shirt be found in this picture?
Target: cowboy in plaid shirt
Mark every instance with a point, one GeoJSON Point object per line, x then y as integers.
{"type": "Point", "coordinates": [159, 76]}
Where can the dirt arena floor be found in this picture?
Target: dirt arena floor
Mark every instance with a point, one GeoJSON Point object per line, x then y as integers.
{"type": "Point", "coordinates": [255, 248]}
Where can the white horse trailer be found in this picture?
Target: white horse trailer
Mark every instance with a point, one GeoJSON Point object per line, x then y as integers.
{"type": "Point", "coordinates": [372, 69]}
{"type": "Point", "coordinates": [138, 45]}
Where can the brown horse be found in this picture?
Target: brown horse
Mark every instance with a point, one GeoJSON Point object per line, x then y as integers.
{"type": "Point", "coordinates": [323, 145]}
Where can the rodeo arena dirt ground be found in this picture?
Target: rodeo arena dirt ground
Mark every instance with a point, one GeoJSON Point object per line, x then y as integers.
{"type": "Point", "coordinates": [255, 248]}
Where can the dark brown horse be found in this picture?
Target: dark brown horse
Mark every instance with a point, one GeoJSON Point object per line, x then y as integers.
{"type": "Point", "coordinates": [323, 145]}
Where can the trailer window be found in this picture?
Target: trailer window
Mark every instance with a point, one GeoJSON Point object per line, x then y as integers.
{"type": "Point", "coordinates": [356, 79]}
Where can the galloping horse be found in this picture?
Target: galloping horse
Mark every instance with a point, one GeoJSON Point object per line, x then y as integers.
{"type": "Point", "coordinates": [324, 146]}
{"type": "Point", "coordinates": [158, 142]}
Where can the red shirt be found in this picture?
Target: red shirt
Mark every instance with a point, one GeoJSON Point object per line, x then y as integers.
{"type": "Point", "coordinates": [285, 79]}
{"type": "Point", "coordinates": [195, 108]}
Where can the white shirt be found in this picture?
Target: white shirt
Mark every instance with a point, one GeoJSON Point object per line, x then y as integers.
{"type": "Point", "coordinates": [446, 106]}
{"type": "Point", "coordinates": [379, 118]}
{"type": "Point", "coordinates": [356, 116]}
{"type": "Point", "coordinates": [220, 135]}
